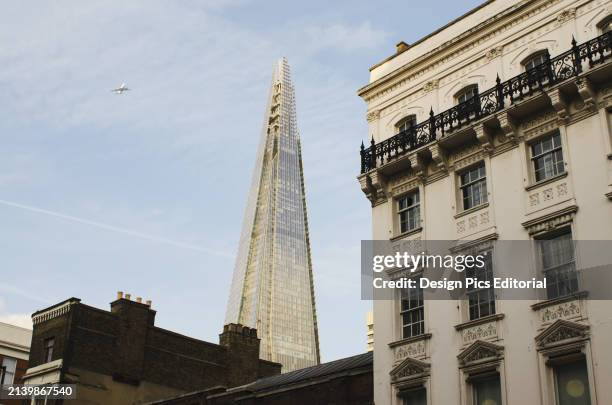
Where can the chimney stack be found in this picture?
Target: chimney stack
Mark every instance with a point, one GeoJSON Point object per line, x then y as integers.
{"type": "Point", "coordinates": [148, 303]}
{"type": "Point", "coordinates": [119, 295]}
{"type": "Point", "coordinates": [139, 300]}
{"type": "Point", "coordinates": [401, 47]}
{"type": "Point", "coordinates": [128, 296]}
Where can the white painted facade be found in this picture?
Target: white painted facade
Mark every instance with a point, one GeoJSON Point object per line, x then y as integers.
{"type": "Point", "coordinates": [524, 341]}
{"type": "Point", "coordinates": [14, 341]}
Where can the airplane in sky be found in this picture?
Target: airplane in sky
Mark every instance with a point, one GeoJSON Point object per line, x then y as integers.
{"type": "Point", "coordinates": [120, 89]}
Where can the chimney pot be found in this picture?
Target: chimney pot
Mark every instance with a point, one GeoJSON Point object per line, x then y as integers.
{"type": "Point", "coordinates": [139, 300]}
{"type": "Point", "coordinates": [148, 303]}
{"type": "Point", "coordinates": [128, 296]}
{"type": "Point", "coordinates": [119, 295]}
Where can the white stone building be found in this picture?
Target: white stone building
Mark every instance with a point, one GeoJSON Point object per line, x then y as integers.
{"type": "Point", "coordinates": [518, 146]}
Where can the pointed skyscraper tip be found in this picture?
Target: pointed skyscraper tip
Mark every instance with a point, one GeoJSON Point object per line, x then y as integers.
{"type": "Point", "coordinates": [272, 287]}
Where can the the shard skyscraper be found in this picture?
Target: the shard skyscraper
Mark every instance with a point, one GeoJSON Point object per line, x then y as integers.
{"type": "Point", "coordinates": [272, 287]}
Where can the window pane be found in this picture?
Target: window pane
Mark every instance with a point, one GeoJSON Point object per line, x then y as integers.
{"type": "Point", "coordinates": [547, 157]}
{"type": "Point", "coordinates": [487, 392]}
{"type": "Point", "coordinates": [11, 366]}
{"type": "Point", "coordinates": [409, 212]}
{"type": "Point", "coordinates": [415, 397]}
{"type": "Point", "coordinates": [558, 265]}
{"type": "Point", "coordinates": [573, 384]}
{"type": "Point", "coordinates": [481, 302]}
{"type": "Point", "coordinates": [412, 312]}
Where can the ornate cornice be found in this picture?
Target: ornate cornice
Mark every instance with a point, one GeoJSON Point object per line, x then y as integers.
{"type": "Point", "coordinates": [562, 332]}
{"type": "Point", "coordinates": [409, 368]}
{"type": "Point", "coordinates": [481, 352]}
{"type": "Point", "coordinates": [53, 312]}
{"type": "Point", "coordinates": [426, 59]}
{"type": "Point", "coordinates": [550, 221]}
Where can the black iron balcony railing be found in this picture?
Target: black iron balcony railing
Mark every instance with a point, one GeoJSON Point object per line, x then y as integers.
{"type": "Point", "coordinates": [552, 71]}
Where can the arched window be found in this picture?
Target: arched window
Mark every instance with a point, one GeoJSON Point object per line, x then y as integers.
{"type": "Point", "coordinates": [535, 59]}
{"type": "Point", "coordinates": [467, 93]}
{"type": "Point", "coordinates": [405, 123]}
{"type": "Point", "coordinates": [605, 25]}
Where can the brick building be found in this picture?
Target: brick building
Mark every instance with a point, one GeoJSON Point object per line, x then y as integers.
{"type": "Point", "coordinates": [14, 349]}
{"type": "Point", "coordinates": [121, 357]}
{"type": "Point", "coordinates": [346, 381]}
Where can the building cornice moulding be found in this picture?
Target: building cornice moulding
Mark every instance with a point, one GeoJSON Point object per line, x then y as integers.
{"type": "Point", "coordinates": [429, 62]}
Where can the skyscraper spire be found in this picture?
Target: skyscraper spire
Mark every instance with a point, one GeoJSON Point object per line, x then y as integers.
{"type": "Point", "coordinates": [272, 287]}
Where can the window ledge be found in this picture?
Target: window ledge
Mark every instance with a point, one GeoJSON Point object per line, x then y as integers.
{"type": "Point", "coordinates": [408, 233]}
{"type": "Point", "coordinates": [479, 321]}
{"type": "Point", "coordinates": [424, 336]}
{"type": "Point", "coordinates": [546, 181]}
{"type": "Point", "coordinates": [471, 210]}
{"type": "Point", "coordinates": [560, 300]}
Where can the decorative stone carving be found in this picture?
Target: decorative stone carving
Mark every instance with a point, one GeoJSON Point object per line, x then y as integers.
{"type": "Point", "coordinates": [494, 52]}
{"type": "Point", "coordinates": [559, 104]}
{"type": "Point", "coordinates": [372, 185]}
{"type": "Point", "coordinates": [484, 138]}
{"type": "Point", "coordinates": [460, 226]}
{"type": "Point", "coordinates": [566, 15]}
{"type": "Point", "coordinates": [551, 221]}
{"type": "Point", "coordinates": [539, 125]}
{"type": "Point", "coordinates": [404, 187]}
{"type": "Point", "coordinates": [373, 115]}
{"type": "Point", "coordinates": [408, 369]}
{"type": "Point", "coordinates": [562, 189]}
{"type": "Point", "coordinates": [561, 331]}
{"type": "Point", "coordinates": [480, 351]}
{"type": "Point", "coordinates": [416, 164]}
{"type": "Point", "coordinates": [508, 127]}
{"type": "Point", "coordinates": [484, 217]}
{"type": "Point", "coordinates": [439, 157]}
{"type": "Point", "coordinates": [534, 199]}
{"type": "Point", "coordinates": [431, 85]}
{"type": "Point", "coordinates": [547, 194]}
{"type": "Point", "coordinates": [586, 93]}
{"type": "Point", "coordinates": [480, 332]}
{"type": "Point", "coordinates": [473, 222]}
{"type": "Point", "coordinates": [415, 350]}
{"type": "Point", "coordinates": [564, 310]}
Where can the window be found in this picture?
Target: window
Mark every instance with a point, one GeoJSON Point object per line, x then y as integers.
{"type": "Point", "coordinates": [473, 187]}
{"type": "Point", "coordinates": [481, 301]}
{"type": "Point", "coordinates": [414, 397]}
{"type": "Point", "coordinates": [487, 391]}
{"type": "Point", "coordinates": [408, 209]}
{"type": "Point", "coordinates": [48, 349]}
{"type": "Point", "coordinates": [406, 123]}
{"type": "Point", "coordinates": [572, 384]}
{"type": "Point", "coordinates": [558, 265]}
{"type": "Point", "coordinates": [547, 157]}
{"type": "Point", "coordinates": [9, 366]}
{"type": "Point", "coordinates": [412, 312]}
{"type": "Point", "coordinates": [466, 94]}
{"type": "Point", "coordinates": [535, 60]}
{"type": "Point", "coordinates": [605, 25]}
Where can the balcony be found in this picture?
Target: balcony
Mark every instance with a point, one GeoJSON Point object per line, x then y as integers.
{"type": "Point", "coordinates": [573, 63]}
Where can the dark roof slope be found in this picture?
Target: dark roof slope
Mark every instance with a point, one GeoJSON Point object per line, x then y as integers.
{"type": "Point", "coordinates": [333, 367]}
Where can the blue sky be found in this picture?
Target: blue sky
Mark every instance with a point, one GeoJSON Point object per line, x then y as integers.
{"type": "Point", "coordinates": [145, 192]}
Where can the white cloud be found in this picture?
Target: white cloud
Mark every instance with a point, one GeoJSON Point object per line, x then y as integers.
{"type": "Point", "coordinates": [22, 320]}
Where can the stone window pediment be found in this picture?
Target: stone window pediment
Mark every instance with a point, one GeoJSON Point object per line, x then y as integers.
{"type": "Point", "coordinates": [480, 352]}
{"type": "Point", "coordinates": [562, 332]}
{"type": "Point", "coordinates": [409, 369]}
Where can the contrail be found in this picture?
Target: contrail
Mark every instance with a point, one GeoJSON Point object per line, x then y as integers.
{"type": "Point", "coordinates": [113, 228]}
